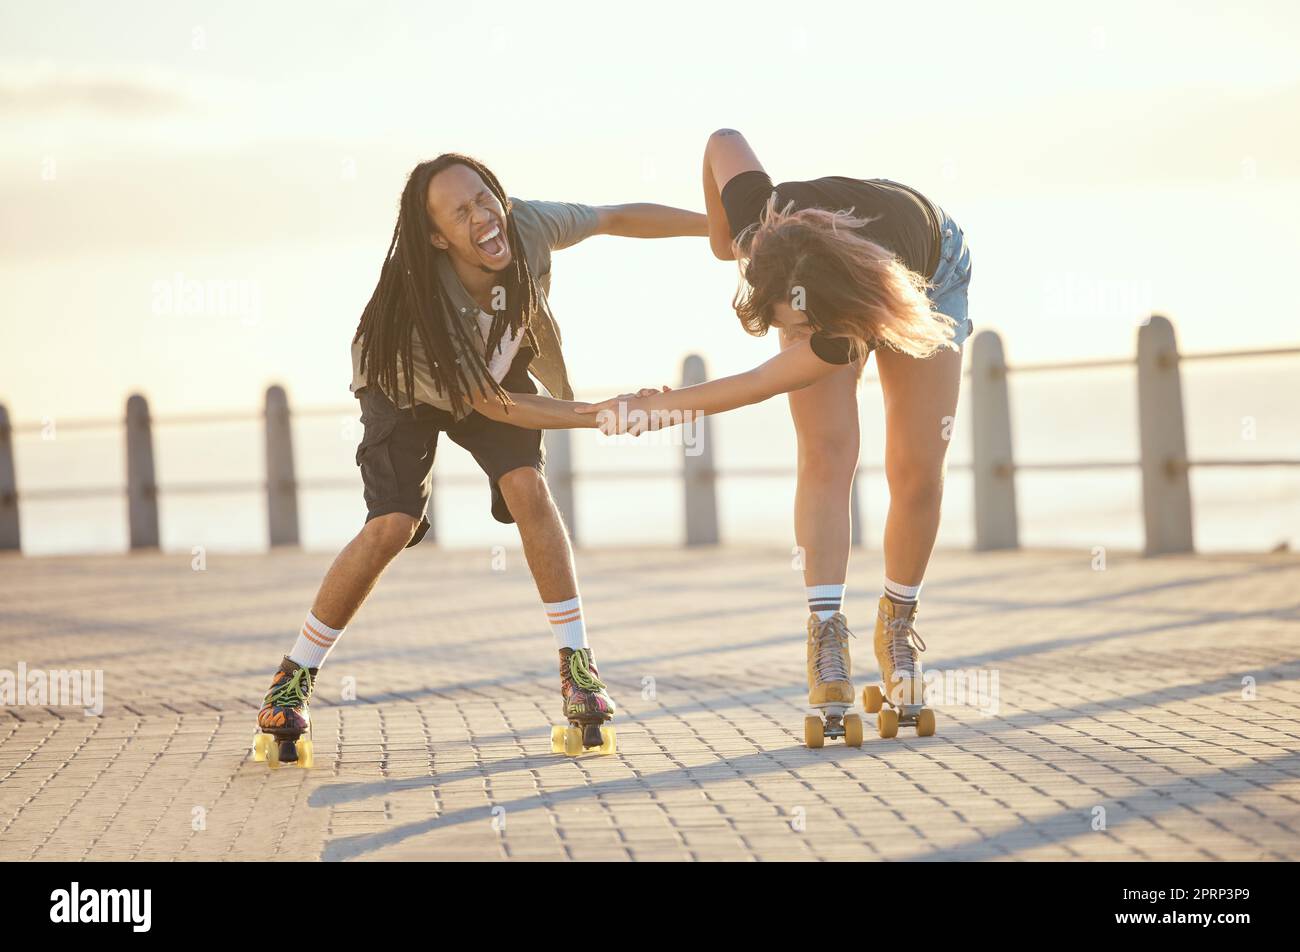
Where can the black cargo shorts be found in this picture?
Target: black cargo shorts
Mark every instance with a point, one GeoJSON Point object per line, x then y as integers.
{"type": "Point", "coordinates": [397, 449]}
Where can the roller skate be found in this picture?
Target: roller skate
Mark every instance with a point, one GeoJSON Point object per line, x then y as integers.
{"type": "Point", "coordinates": [587, 707]}
{"type": "Point", "coordinates": [829, 687]}
{"type": "Point", "coordinates": [899, 699]}
{"type": "Point", "coordinates": [284, 718]}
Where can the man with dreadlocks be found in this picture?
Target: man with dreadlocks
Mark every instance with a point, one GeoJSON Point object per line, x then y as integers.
{"type": "Point", "coordinates": [456, 324]}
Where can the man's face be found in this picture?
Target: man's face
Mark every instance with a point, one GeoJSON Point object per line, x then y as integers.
{"type": "Point", "coordinates": [469, 223]}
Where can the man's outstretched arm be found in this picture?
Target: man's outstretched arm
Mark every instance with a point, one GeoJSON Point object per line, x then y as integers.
{"type": "Point", "coordinates": [646, 220]}
{"type": "Point", "coordinates": [533, 411]}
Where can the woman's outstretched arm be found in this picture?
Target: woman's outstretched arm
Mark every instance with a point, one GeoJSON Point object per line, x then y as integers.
{"type": "Point", "coordinates": [794, 368]}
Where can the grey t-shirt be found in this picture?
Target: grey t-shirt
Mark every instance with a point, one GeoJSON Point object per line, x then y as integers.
{"type": "Point", "coordinates": [540, 227]}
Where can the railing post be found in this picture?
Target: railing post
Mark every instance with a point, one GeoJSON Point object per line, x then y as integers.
{"type": "Point", "coordinates": [9, 536]}
{"type": "Point", "coordinates": [993, 463]}
{"type": "Point", "coordinates": [559, 476]}
{"type": "Point", "coordinates": [1166, 493]}
{"type": "Point", "coordinates": [281, 484]}
{"type": "Point", "coordinates": [699, 473]}
{"type": "Point", "coordinates": [141, 486]}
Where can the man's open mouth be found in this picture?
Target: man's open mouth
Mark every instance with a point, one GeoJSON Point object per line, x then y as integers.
{"type": "Point", "coordinates": [493, 244]}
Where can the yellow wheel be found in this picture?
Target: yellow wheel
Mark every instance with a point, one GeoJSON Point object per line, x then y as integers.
{"type": "Point", "coordinates": [608, 745]}
{"type": "Point", "coordinates": [557, 738]}
{"type": "Point", "coordinates": [573, 741]}
{"type": "Point", "coordinates": [887, 722]}
{"type": "Point", "coordinates": [925, 723]}
{"type": "Point", "coordinates": [273, 753]}
{"type": "Point", "coordinates": [852, 730]}
{"type": "Point", "coordinates": [872, 699]}
{"type": "Point", "coordinates": [814, 732]}
{"type": "Point", "coordinates": [306, 756]}
{"type": "Point", "coordinates": [259, 747]}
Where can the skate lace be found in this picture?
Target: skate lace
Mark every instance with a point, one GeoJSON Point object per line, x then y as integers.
{"type": "Point", "coordinates": [904, 642]}
{"type": "Point", "coordinates": [581, 673]}
{"type": "Point", "coordinates": [292, 692]}
{"type": "Point", "coordinates": [832, 637]}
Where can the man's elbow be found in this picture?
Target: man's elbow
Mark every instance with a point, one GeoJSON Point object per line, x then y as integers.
{"type": "Point", "coordinates": [490, 406]}
{"type": "Point", "coordinates": [609, 220]}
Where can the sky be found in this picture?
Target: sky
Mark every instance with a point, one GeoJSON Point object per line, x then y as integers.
{"type": "Point", "coordinates": [1104, 161]}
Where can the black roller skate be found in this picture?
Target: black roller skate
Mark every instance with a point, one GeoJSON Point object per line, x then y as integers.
{"type": "Point", "coordinates": [284, 718]}
{"type": "Point", "coordinates": [587, 706]}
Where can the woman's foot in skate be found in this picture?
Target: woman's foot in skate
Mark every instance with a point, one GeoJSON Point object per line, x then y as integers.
{"type": "Point", "coordinates": [897, 644]}
{"type": "Point", "coordinates": [829, 667]}
{"type": "Point", "coordinates": [830, 688]}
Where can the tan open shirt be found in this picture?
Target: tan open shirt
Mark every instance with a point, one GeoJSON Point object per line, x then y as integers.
{"type": "Point", "coordinates": [541, 227]}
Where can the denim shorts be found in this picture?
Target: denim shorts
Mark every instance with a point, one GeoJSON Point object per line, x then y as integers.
{"type": "Point", "coordinates": [948, 287]}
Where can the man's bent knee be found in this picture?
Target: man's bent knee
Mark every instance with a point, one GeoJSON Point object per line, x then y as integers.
{"type": "Point", "coordinates": [526, 493]}
{"type": "Point", "coordinates": [390, 532]}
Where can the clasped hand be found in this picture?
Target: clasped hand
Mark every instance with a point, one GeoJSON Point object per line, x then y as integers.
{"type": "Point", "coordinates": [626, 413]}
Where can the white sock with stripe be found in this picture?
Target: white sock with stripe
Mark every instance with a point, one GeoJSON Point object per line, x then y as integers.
{"type": "Point", "coordinates": [901, 594]}
{"type": "Point", "coordinates": [566, 622]}
{"type": "Point", "coordinates": [314, 642]}
{"type": "Point", "coordinates": [825, 600]}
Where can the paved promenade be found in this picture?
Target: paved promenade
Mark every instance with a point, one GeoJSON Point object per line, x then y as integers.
{"type": "Point", "coordinates": [1150, 710]}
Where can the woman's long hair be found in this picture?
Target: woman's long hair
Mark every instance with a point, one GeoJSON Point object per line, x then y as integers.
{"type": "Point", "coordinates": [409, 299]}
{"type": "Point", "coordinates": [849, 286]}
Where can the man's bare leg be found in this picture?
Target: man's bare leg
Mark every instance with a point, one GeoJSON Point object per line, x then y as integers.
{"type": "Point", "coordinates": [285, 716]}
{"type": "Point", "coordinates": [358, 567]}
{"type": "Point", "coordinates": [541, 530]}
{"type": "Point", "coordinates": [586, 703]}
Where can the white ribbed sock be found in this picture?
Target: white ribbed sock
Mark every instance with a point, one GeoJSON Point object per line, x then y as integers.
{"type": "Point", "coordinates": [901, 594]}
{"type": "Point", "coordinates": [825, 600]}
{"type": "Point", "coordinates": [314, 642]}
{"type": "Point", "coordinates": [566, 623]}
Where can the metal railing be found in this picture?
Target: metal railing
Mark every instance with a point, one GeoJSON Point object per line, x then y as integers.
{"type": "Point", "coordinates": [1163, 459]}
{"type": "Point", "coordinates": [1166, 495]}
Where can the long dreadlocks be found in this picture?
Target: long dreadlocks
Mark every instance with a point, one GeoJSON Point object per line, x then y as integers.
{"type": "Point", "coordinates": [410, 299]}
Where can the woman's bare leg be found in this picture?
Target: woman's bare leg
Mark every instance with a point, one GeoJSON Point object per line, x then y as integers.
{"type": "Point", "coordinates": [920, 404]}
{"type": "Point", "coordinates": [826, 424]}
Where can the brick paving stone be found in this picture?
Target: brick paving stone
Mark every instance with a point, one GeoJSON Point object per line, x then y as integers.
{"type": "Point", "coordinates": [1147, 711]}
